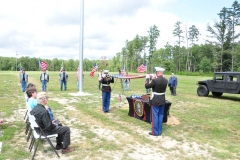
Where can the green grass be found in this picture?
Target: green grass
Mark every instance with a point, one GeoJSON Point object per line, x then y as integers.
{"type": "Point", "coordinates": [212, 123]}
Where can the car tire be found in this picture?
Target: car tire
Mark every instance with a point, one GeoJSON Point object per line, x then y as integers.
{"type": "Point", "coordinates": [217, 94]}
{"type": "Point", "coordinates": [202, 91]}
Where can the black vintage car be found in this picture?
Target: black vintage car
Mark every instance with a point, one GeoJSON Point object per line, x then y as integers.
{"type": "Point", "coordinates": [222, 82]}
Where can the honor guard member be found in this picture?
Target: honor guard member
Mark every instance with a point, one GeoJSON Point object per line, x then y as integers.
{"type": "Point", "coordinates": [44, 78]}
{"type": "Point", "coordinates": [158, 85]}
{"type": "Point", "coordinates": [63, 78]}
{"type": "Point", "coordinates": [23, 79]}
{"type": "Point", "coordinates": [106, 90]}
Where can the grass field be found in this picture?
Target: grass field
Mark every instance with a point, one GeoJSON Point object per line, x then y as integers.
{"type": "Point", "coordinates": [208, 127]}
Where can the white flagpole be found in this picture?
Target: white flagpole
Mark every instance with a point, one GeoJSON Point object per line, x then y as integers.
{"type": "Point", "coordinates": [80, 82]}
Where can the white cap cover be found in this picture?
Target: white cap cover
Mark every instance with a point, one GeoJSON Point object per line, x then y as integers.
{"type": "Point", "coordinates": [159, 69]}
{"type": "Point", "coordinates": [105, 71]}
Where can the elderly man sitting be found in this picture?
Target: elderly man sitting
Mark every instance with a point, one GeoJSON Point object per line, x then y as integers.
{"type": "Point", "coordinates": [45, 122]}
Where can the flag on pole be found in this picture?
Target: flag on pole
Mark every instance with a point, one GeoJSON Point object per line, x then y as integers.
{"type": "Point", "coordinates": [61, 67]}
{"type": "Point", "coordinates": [21, 68]}
{"type": "Point", "coordinates": [42, 65]}
{"type": "Point", "coordinates": [77, 71]}
{"type": "Point", "coordinates": [120, 98]}
{"type": "Point", "coordinates": [142, 68]}
{"type": "Point", "coordinates": [122, 71]}
{"type": "Point", "coordinates": [93, 70]}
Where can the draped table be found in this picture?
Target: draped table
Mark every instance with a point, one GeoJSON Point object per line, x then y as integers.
{"type": "Point", "coordinates": [141, 109]}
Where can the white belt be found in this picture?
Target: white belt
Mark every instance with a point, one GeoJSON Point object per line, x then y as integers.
{"type": "Point", "coordinates": [158, 93]}
{"type": "Point", "coordinates": [105, 84]}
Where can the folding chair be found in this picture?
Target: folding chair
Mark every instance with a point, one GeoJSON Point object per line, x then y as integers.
{"type": "Point", "coordinates": [40, 136]}
{"type": "Point", "coordinates": [27, 121]}
{"type": "Point", "coordinates": [26, 111]}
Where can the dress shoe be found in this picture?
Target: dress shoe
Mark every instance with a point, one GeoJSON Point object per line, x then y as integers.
{"type": "Point", "coordinates": [67, 150]}
{"type": "Point", "coordinates": [59, 147]}
{"type": "Point", "coordinates": [150, 133]}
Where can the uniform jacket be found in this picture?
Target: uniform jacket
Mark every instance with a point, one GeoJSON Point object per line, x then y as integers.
{"type": "Point", "coordinates": [42, 77]}
{"type": "Point", "coordinates": [61, 76]}
{"type": "Point", "coordinates": [106, 81]}
{"type": "Point", "coordinates": [158, 85]}
{"type": "Point", "coordinates": [25, 76]}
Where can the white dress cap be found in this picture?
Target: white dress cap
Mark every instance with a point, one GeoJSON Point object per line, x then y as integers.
{"type": "Point", "coordinates": [105, 71]}
{"type": "Point", "coordinates": [159, 69]}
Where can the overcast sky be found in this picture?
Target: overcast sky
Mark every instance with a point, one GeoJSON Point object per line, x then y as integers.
{"type": "Point", "coordinates": [51, 28]}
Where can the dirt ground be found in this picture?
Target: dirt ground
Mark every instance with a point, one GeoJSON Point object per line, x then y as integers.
{"type": "Point", "coordinates": [168, 148]}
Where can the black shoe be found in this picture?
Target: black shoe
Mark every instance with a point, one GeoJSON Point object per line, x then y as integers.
{"type": "Point", "coordinates": [150, 133]}
{"type": "Point", "coordinates": [58, 147]}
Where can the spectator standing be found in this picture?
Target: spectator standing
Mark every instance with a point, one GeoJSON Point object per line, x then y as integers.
{"type": "Point", "coordinates": [172, 83]}
{"type": "Point", "coordinates": [126, 83]}
{"type": "Point", "coordinates": [148, 80]}
{"type": "Point", "coordinates": [63, 78]}
{"type": "Point", "coordinates": [44, 78]}
{"type": "Point", "coordinates": [23, 79]}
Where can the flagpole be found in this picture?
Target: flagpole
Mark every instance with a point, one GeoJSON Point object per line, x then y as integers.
{"type": "Point", "coordinates": [16, 59]}
{"type": "Point", "coordinates": [80, 82]}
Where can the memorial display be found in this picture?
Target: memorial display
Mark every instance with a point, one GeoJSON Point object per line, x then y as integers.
{"type": "Point", "coordinates": [141, 109]}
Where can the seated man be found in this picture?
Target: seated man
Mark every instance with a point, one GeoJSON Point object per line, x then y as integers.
{"type": "Point", "coordinates": [45, 122]}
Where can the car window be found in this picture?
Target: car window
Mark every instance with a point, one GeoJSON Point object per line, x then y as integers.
{"type": "Point", "coordinates": [232, 78]}
{"type": "Point", "coordinates": [219, 77]}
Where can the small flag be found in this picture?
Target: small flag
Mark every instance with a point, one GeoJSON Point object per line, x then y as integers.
{"type": "Point", "coordinates": [120, 98]}
{"type": "Point", "coordinates": [122, 71]}
{"type": "Point", "coordinates": [21, 68]}
{"type": "Point", "coordinates": [77, 71]}
{"type": "Point", "coordinates": [42, 65]}
{"type": "Point", "coordinates": [142, 68]}
{"type": "Point", "coordinates": [93, 70]}
{"type": "Point", "coordinates": [61, 67]}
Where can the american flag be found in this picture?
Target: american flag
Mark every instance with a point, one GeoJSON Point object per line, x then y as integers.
{"type": "Point", "coordinates": [93, 70]}
{"type": "Point", "coordinates": [77, 71]}
{"type": "Point", "coordinates": [122, 71]}
{"type": "Point", "coordinates": [142, 68]}
{"type": "Point", "coordinates": [120, 98]}
{"type": "Point", "coordinates": [43, 65]}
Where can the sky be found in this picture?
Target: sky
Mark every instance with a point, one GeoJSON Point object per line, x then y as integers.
{"type": "Point", "coordinates": [50, 29]}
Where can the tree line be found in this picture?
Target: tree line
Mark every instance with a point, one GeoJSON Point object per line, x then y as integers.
{"type": "Point", "coordinates": [221, 52]}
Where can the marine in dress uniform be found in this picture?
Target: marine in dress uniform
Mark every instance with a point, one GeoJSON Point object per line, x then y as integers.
{"type": "Point", "coordinates": [23, 78]}
{"type": "Point", "coordinates": [106, 91]}
{"type": "Point", "coordinates": [158, 85]}
{"type": "Point", "coordinates": [44, 78]}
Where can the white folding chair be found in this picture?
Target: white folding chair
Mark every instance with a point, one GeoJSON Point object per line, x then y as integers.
{"type": "Point", "coordinates": [41, 135]}
{"type": "Point", "coordinates": [28, 128]}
